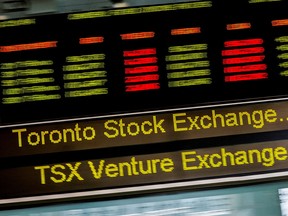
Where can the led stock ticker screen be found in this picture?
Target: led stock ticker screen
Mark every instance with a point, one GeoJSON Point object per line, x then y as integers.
{"type": "Point", "coordinates": [93, 174]}
{"type": "Point", "coordinates": [33, 163]}
{"type": "Point", "coordinates": [143, 128]}
{"type": "Point", "coordinates": [67, 65]}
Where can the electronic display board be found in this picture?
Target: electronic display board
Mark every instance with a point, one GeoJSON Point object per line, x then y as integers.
{"type": "Point", "coordinates": [185, 72]}
{"type": "Point", "coordinates": [171, 55]}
